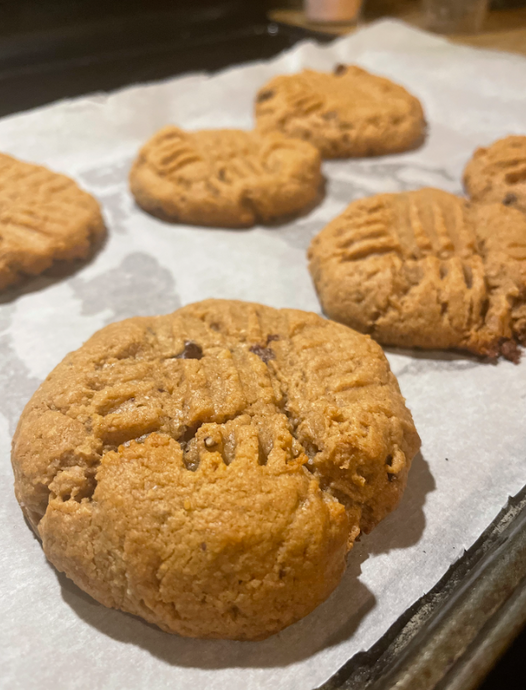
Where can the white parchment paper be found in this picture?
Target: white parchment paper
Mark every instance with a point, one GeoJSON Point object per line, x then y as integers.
{"type": "Point", "coordinates": [471, 416]}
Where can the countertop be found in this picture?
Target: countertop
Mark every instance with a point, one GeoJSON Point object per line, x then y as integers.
{"type": "Point", "coordinates": [502, 30]}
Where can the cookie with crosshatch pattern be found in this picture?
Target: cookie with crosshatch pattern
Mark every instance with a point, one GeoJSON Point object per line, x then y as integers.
{"type": "Point", "coordinates": [45, 220]}
{"type": "Point", "coordinates": [498, 173]}
{"type": "Point", "coordinates": [426, 269]}
{"type": "Point", "coordinates": [225, 178]}
{"type": "Point", "coordinates": [346, 113]}
{"type": "Point", "coordinates": [209, 469]}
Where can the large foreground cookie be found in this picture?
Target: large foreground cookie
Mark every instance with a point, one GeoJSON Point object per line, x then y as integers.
{"type": "Point", "coordinates": [209, 470]}
{"type": "Point", "coordinates": [344, 114]}
{"type": "Point", "coordinates": [44, 218]}
{"type": "Point", "coordinates": [225, 178]}
{"type": "Point", "coordinates": [498, 173]}
{"type": "Point", "coordinates": [426, 269]}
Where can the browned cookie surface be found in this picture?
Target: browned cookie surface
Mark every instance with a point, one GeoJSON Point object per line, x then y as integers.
{"type": "Point", "coordinates": [44, 218]}
{"type": "Point", "coordinates": [208, 470]}
{"type": "Point", "coordinates": [498, 173]}
{"type": "Point", "coordinates": [348, 113]}
{"type": "Point", "coordinates": [426, 269]}
{"type": "Point", "coordinates": [225, 178]}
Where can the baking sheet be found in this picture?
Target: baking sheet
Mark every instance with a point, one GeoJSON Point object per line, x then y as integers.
{"type": "Point", "coordinates": [471, 416]}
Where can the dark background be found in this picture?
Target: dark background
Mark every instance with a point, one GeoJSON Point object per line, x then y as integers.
{"type": "Point", "coordinates": [50, 49]}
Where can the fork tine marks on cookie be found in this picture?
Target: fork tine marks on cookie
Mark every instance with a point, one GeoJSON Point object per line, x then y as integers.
{"type": "Point", "coordinates": [345, 114]}
{"type": "Point", "coordinates": [455, 279]}
{"type": "Point", "coordinates": [44, 219]}
{"type": "Point", "coordinates": [498, 173]}
{"type": "Point", "coordinates": [225, 178]}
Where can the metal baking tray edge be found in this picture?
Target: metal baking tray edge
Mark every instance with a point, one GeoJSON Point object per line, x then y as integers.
{"type": "Point", "coordinates": [451, 637]}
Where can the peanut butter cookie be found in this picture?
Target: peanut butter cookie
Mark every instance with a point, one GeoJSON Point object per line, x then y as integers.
{"type": "Point", "coordinates": [426, 269]}
{"type": "Point", "coordinates": [498, 173]}
{"type": "Point", "coordinates": [348, 113]}
{"type": "Point", "coordinates": [44, 218]}
{"type": "Point", "coordinates": [209, 470]}
{"type": "Point", "coordinates": [225, 178]}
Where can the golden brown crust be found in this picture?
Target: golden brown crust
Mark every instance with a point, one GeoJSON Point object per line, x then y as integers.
{"type": "Point", "coordinates": [426, 269]}
{"type": "Point", "coordinates": [225, 178]}
{"type": "Point", "coordinates": [498, 173]}
{"type": "Point", "coordinates": [44, 218]}
{"type": "Point", "coordinates": [208, 470]}
{"type": "Point", "coordinates": [348, 113]}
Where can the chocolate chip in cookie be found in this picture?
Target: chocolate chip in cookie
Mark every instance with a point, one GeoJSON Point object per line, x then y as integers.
{"type": "Point", "coordinates": [191, 351]}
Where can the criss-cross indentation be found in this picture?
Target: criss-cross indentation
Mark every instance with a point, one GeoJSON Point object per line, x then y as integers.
{"type": "Point", "coordinates": [426, 269]}
{"type": "Point", "coordinates": [173, 486]}
{"type": "Point", "coordinates": [349, 113]}
{"type": "Point", "coordinates": [44, 217]}
{"type": "Point", "coordinates": [224, 177]}
{"type": "Point", "coordinates": [230, 402]}
{"type": "Point", "coordinates": [498, 173]}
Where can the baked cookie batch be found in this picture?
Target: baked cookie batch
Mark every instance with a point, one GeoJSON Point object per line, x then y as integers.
{"type": "Point", "coordinates": [210, 469]}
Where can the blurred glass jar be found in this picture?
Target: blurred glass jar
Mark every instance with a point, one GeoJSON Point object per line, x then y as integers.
{"type": "Point", "coordinates": [333, 10]}
{"type": "Point", "coordinates": [454, 16]}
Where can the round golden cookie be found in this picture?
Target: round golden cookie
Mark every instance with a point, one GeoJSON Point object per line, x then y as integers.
{"type": "Point", "coordinates": [348, 113]}
{"type": "Point", "coordinates": [498, 173]}
{"type": "Point", "coordinates": [225, 178]}
{"type": "Point", "coordinates": [426, 269]}
{"type": "Point", "coordinates": [208, 470]}
{"type": "Point", "coordinates": [44, 218]}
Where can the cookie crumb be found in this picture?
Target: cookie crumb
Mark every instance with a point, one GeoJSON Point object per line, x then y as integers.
{"type": "Point", "coordinates": [510, 351]}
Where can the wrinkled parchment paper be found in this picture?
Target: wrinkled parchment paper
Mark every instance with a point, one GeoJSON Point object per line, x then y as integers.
{"type": "Point", "coordinates": [471, 416]}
